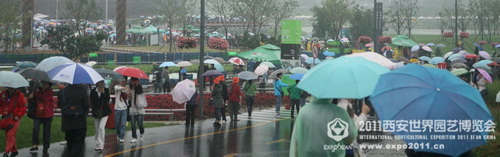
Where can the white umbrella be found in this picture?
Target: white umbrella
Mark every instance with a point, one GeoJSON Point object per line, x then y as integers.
{"type": "Point", "coordinates": [50, 63]}
{"type": "Point", "coordinates": [269, 64]}
{"type": "Point", "coordinates": [91, 63]}
{"type": "Point", "coordinates": [12, 80]}
{"type": "Point", "coordinates": [375, 57]}
{"type": "Point", "coordinates": [237, 61]}
{"type": "Point", "coordinates": [299, 70]}
{"type": "Point", "coordinates": [75, 73]}
{"type": "Point", "coordinates": [183, 91]}
{"type": "Point", "coordinates": [261, 70]}
{"type": "Point", "coordinates": [247, 75]}
{"type": "Point", "coordinates": [427, 48]}
{"type": "Point", "coordinates": [415, 48]}
{"type": "Point", "coordinates": [447, 54]}
{"type": "Point", "coordinates": [184, 64]}
{"type": "Point", "coordinates": [276, 72]}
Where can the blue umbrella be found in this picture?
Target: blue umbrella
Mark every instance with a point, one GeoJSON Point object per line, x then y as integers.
{"type": "Point", "coordinates": [416, 93]}
{"type": "Point", "coordinates": [476, 45]}
{"type": "Point", "coordinates": [296, 76]}
{"type": "Point", "coordinates": [425, 58]}
{"type": "Point", "coordinates": [167, 64]}
{"type": "Point", "coordinates": [482, 63]}
{"type": "Point", "coordinates": [453, 56]}
{"type": "Point", "coordinates": [329, 54]}
{"type": "Point", "coordinates": [310, 61]}
{"type": "Point", "coordinates": [436, 60]}
{"type": "Point", "coordinates": [498, 46]}
{"type": "Point", "coordinates": [216, 64]}
{"type": "Point", "coordinates": [431, 44]}
{"type": "Point", "coordinates": [352, 77]}
{"type": "Point", "coordinates": [75, 73]}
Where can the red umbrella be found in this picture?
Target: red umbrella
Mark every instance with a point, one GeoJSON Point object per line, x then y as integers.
{"type": "Point", "coordinates": [471, 56]}
{"type": "Point", "coordinates": [132, 72]}
{"type": "Point", "coordinates": [483, 42]}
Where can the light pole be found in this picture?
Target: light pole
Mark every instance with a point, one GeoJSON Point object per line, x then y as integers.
{"type": "Point", "coordinates": [106, 12]}
{"type": "Point", "coordinates": [456, 23]}
{"type": "Point", "coordinates": [201, 81]}
{"type": "Point", "coordinates": [57, 9]}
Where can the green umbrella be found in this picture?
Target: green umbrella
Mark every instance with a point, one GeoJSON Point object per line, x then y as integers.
{"type": "Point", "coordinates": [261, 54]}
{"type": "Point", "coordinates": [430, 65]}
{"type": "Point", "coordinates": [271, 47]}
{"type": "Point", "coordinates": [403, 41]}
{"type": "Point", "coordinates": [460, 71]}
{"type": "Point", "coordinates": [138, 30]}
{"type": "Point", "coordinates": [12, 80]}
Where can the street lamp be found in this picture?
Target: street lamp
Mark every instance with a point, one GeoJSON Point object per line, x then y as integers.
{"type": "Point", "coordinates": [456, 23]}
{"type": "Point", "coordinates": [201, 81]}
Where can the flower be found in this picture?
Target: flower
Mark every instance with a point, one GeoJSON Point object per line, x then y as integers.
{"type": "Point", "coordinates": [464, 35]}
{"type": "Point", "coordinates": [364, 39]}
{"type": "Point", "coordinates": [448, 34]}
{"type": "Point", "coordinates": [384, 39]}
{"type": "Point", "coordinates": [217, 43]}
{"type": "Point", "coordinates": [183, 42]}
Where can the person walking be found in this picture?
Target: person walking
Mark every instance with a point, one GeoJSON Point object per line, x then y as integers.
{"type": "Point", "coordinates": [218, 101]}
{"type": "Point", "coordinates": [136, 111]}
{"type": "Point", "coordinates": [158, 80]}
{"type": "Point", "coordinates": [182, 73]}
{"type": "Point", "coordinates": [12, 105]}
{"type": "Point", "coordinates": [74, 127]}
{"type": "Point", "coordinates": [121, 95]}
{"type": "Point", "coordinates": [44, 111]}
{"type": "Point", "coordinates": [295, 94]}
{"type": "Point", "coordinates": [166, 83]}
{"type": "Point", "coordinates": [99, 100]}
{"type": "Point", "coordinates": [278, 92]}
{"type": "Point", "coordinates": [190, 109]}
{"type": "Point", "coordinates": [249, 90]}
{"type": "Point", "coordinates": [225, 96]}
{"type": "Point", "coordinates": [235, 95]}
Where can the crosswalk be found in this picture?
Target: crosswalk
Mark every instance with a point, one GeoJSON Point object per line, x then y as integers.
{"type": "Point", "coordinates": [265, 115]}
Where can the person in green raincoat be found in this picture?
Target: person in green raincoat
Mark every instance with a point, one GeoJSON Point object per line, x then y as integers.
{"type": "Point", "coordinates": [322, 129]}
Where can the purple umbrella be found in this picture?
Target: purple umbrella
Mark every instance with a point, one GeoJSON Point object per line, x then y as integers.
{"type": "Point", "coordinates": [485, 75]}
{"type": "Point", "coordinates": [484, 54]}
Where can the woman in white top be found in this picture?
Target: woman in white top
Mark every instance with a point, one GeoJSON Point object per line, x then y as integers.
{"type": "Point", "coordinates": [121, 95]}
{"type": "Point", "coordinates": [136, 112]}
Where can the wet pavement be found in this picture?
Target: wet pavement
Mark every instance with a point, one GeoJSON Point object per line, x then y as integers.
{"type": "Point", "coordinates": [260, 136]}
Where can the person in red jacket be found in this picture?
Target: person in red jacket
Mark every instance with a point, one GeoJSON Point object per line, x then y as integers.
{"type": "Point", "coordinates": [44, 111]}
{"type": "Point", "coordinates": [12, 103]}
{"type": "Point", "coordinates": [234, 99]}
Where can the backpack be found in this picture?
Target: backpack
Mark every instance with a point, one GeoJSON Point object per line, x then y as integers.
{"type": "Point", "coordinates": [71, 111]}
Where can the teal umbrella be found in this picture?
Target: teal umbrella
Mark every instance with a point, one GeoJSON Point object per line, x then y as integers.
{"type": "Point", "coordinates": [263, 53]}
{"type": "Point", "coordinates": [12, 80]}
{"type": "Point", "coordinates": [351, 77]}
{"type": "Point", "coordinates": [216, 64]}
{"type": "Point", "coordinates": [23, 65]}
{"type": "Point", "coordinates": [403, 41]}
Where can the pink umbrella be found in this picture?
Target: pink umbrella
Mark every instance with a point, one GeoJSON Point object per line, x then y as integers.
{"type": "Point", "coordinates": [261, 70]}
{"type": "Point", "coordinates": [427, 48]}
{"type": "Point", "coordinates": [463, 52]}
{"type": "Point", "coordinates": [183, 91]}
{"type": "Point", "coordinates": [237, 61]}
{"type": "Point", "coordinates": [484, 54]}
{"type": "Point", "coordinates": [369, 45]}
{"type": "Point", "coordinates": [485, 75]}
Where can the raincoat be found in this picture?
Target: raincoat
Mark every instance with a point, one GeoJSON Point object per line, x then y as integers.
{"type": "Point", "coordinates": [316, 130]}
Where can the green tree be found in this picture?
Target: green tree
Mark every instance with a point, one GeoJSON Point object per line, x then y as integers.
{"type": "Point", "coordinates": [330, 17]}
{"type": "Point", "coordinates": [256, 13]}
{"type": "Point", "coordinates": [171, 9]}
{"type": "Point", "coordinates": [394, 17]}
{"type": "Point", "coordinates": [9, 19]}
{"type": "Point", "coordinates": [361, 22]}
{"type": "Point", "coordinates": [81, 11]}
{"type": "Point", "coordinates": [73, 46]}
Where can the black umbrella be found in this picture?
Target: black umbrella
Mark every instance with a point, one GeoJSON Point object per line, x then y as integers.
{"type": "Point", "coordinates": [212, 73]}
{"type": "Point", "coordinates": [35, 74]}
{"type": "Point", "coordinates": [107, 73]}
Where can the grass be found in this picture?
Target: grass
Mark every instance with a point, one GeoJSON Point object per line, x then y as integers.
{"type": "Point", "coordinates": [493, 146]}
{"type": "Point", "coordinates": [148, 68]}
{"type": "Point", "coordinates": [24, 132]}
{"type": "Point", "coordinates": [175, 49]}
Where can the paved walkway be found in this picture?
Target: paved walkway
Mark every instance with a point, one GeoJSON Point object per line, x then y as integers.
{"type": "Point", "coordinates": [261, 136]}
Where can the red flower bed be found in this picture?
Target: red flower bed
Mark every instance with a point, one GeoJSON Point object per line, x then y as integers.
{"type": "Point", "coordinates": [384, 39]}
{"type": "Point", "coordinates": [364, 39]}
{"type": "Point", "coordinates": [187, 43]}
{"type": "Point", "coordinates": [448, 34]}
{"type": "Point", "coordinates": [217, 43]}
{"type": "Point", "coordinates": [464, 35]}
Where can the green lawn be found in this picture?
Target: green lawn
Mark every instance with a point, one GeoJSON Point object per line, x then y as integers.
{"type": "Point", "coordinates": [24, 132]}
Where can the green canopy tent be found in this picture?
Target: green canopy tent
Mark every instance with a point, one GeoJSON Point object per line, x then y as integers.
{"type": "Point", "coordinates": [138, 30]}
{"type": "Point", "coordinates": [403, 41]}
{"type": "Point", "coordinates": [267, 52]}
{"type": "Point", "coordinates": [154, 30]}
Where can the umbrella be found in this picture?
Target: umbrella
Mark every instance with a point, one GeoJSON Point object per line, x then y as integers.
{"type": "Point", "coordinates": [75, 73]}
{"type": "Point", "coordinates": [12, 80]}
{"type": "Point", "coordinates": [430, 94]}
{"type": "Point", "coordinates": [220, 60]}
{"type": "Point", "coordinates": [269, 64]}
{"type": "Point", "coordinates": [106, 73]}
{"type": "Point", "coordinates": [456, 50]}
{"type": "Point", "coordinates": [459, 71]}
{"type": "Point", "coordinates": [329, 54]}
{"type": "Point", "coordinates": [24, 65]}
{"type": "Point", "coordinates": [458, 60]}
{"type": "Point", "coordinates": [486, 75]}
{"type": "Point", "coordinates": [297, 76]}
{"type": "Point", "coordinates": [415, 48]}
{"type": "Point", "coordinates": [454, 56]}
{"type": "Point", "coordinates": [262, 53]}
{"type": "Point", "coordinates": [482, 63]}
{"type": "Point", "coordinates": [131, 72]}
{"type": "Point", "coordinates": [91, 63]}
{"type": "Point", "coordinates": [484, 54]}
{"type": "Point", "coordinates": [430, 65]}
{"type": "Point", "coordinates": [237, 61]}
{"type": "Point", "coordinates": [441, 45]}
{"type": "Point", "coordinates": [355, 77]}
{"type": "Point", "coordinates": [183, 91]}
{"type": "Point", "coordinates": [437, 60]}
{"type": "Point", "coordinates": [208, 57]}
{"type": "Point", "coordinates": [425, 58]}
{"type": "Point", "coordinates": [471, 56]}
{"type": "Point", "coordinates": [276, 72]}
{"type": "Point", "coordinates": [261, 70]}
{"type": "Point", "coordinates": [212, 73]}
{"type": "Point", "coordinates": [497, 46]}
{"type": "Point", "coordinates": [431, 44]}
{"type": "Point", "coordinates": [167, 64]}
{"type": "Point", "coordinates": [427, 48]}
{"type": "Point", "coordinates": [304, 56]}
{"type": "Point", "coordinates": [476, 45]}
{"type": "Point", "coordinates": [448, 54]}
{"type": "Point", "coordinates": [271, 47]}
{"type": "Point", "coordinates": [216, 64]}
{"type": "Point", "coordinates": [483, 42]}
{"type": "Point", "coordinates": [375, 57]}
{"type": "Point", "coordinates": [311, 60]}
{"type": "Point", "coordinates": [463, 53]}
{"type": "Point", "coordinates": [49, 63]}
{"type": "Point", "coordinates": [369, 45]}
{"type": "Point", "coordinates": [247, 75]}
{"type": "Point", "coordinates": [403, 41]}
{"type": "Point", "coordinates": [36, 74]}
{"type": "Point", "coordinates": [299, 70]}
{"type": "Point", "coordinates": [403, 59]}
{"type": "Point", "coordinates": [184, 64]}
{"type": "Point", "coordinates": [460, 65]}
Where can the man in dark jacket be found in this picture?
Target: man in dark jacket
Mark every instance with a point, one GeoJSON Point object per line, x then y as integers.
{"type": "Point", "coordinates": [225, 95]}
{"type": "Point", "coordinates": [75, 128]}
{"type": "Point", "coordinates": [190, 109]}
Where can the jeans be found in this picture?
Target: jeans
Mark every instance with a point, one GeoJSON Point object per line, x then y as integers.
{"type": "Point", "coordinates": [137, 119]}
{"type": "Point", "coordinates": [46, 131]}
{"type": "Point", "coordinates": [295, 104]}
{"type": "Point", "coordinates": [302, 102]}
{"type": "Point", "coordinates": [218, 112]}
{"type": "Point", "coordinates": [120, 120]}
{"type": "Point", "coordinates": [76, 142]}
{"type": "Point", "coordinates": [99, 124]}
{"type": "Point", "coordinates": [278, 103]}
{"type": "Point", "coordinates": [233, 109]}
{"type": "Point", "coordinates": [190, 110]}
{"type": "Point", "coordinates": [249, 99]}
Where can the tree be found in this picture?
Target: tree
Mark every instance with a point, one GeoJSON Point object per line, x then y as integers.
{"type": "Point", "coordinates": [329, 19]}
{"type": "Point", "coordinates": [410, 14]}
{"type": "Point", "coordinates": [282, 11]}
{"type": "Point", "coordinates": [361, 22]}
{"type": "Point", "coordinates": [73, 46]}
{"type": "Point", "coordinates": [443, 22]}
{"type": "Point", "coordinates": [223, 10]}
{"type": "Point", "coordinates": [186, 14]}
{"type": "Point", "coordinates": [394, 17]}
{"type": "Point", "coordinates": [121, 12]}
{"type": "Point", "coordinates": [28, 9]}
{"type": "Point", "coordinates": [81, 11]}
{"type": "Point", "coordinates": [9, 20]}
{"type": "Point", "coordinates": [255, 12]}
{"type": "Point", "coordinates": [171, 9]}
